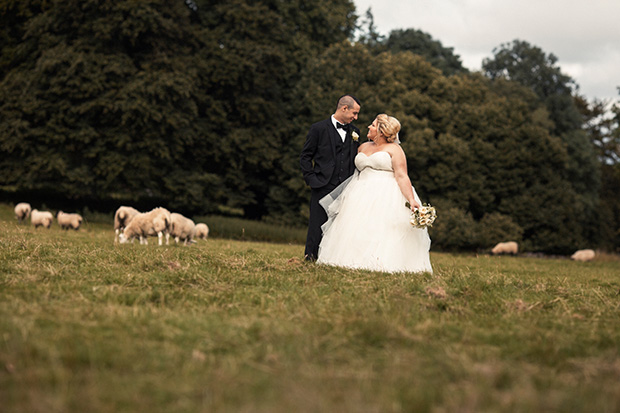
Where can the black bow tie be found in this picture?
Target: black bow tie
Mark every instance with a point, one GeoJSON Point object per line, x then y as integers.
{"type": "Point", "coordinates": [341, 126]}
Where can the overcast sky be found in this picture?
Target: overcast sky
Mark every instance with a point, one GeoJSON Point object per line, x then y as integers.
{"type": "Point", "coordinates": [583, 34]}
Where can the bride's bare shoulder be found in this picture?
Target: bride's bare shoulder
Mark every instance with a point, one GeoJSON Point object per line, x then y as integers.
{"type": "Point", "coordinates": [395, 149]}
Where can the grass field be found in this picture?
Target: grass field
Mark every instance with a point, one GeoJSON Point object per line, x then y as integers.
{"type": "Point", "coordinates": [233, 326]}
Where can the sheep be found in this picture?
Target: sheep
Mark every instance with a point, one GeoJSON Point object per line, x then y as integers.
{"type": "Point", "coordinates": [41, 218]}
{"type": "Point", "coordinates": [202, 231]}
{"type": "Point", "coordinates": [509, 247]}
{"type": "Point", "coordinates": [122, 218]}
{"type": "Point", "coordinates": [143, 225]}
{"type": "Point", "coordinates": [182, 228]}
{"type": "Point", "coordinates": [22, 211]}
{"type": "Point", "coordinates": [69, 221]}
{"type": "Point", "coordinates": [583, 255]}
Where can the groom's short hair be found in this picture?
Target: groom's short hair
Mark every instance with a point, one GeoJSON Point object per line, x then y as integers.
{"type": "Point", "coordinates": [347, 100]}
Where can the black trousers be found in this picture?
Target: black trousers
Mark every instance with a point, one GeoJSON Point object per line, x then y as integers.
{"type": "Point", "coordinates": [318, 217]}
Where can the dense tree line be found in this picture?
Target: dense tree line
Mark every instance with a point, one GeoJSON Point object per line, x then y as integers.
{"type": "Point", "coordinates": [203, 106]}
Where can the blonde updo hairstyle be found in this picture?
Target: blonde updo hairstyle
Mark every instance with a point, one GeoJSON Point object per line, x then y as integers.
{"type": "Point", "coordinates": [388, 126]}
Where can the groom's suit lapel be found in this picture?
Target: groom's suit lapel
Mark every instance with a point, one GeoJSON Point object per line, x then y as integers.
{"type": "Point", "coordinates": [354, 144]}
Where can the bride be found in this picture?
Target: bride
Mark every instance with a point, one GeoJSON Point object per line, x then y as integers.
{"type": "Point", "coordinates": [368, 224]}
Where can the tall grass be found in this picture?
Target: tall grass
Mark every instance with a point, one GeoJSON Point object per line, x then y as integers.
{"type": "Point", "coordinates": [226, 325]}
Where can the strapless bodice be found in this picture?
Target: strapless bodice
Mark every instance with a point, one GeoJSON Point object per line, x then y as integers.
{"type": "Point", "coordinates": [380, 161]}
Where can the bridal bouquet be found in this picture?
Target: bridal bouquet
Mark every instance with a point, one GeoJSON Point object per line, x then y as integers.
{"type": "Point", "coordinates": [422, 217]}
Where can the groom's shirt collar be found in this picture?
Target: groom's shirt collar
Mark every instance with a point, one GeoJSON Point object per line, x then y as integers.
{"type": "Point", "coordinates": [341, 132]}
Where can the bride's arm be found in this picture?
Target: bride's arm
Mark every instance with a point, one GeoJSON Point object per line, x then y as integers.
{"type": "Point", "coordinates": [399, 163]}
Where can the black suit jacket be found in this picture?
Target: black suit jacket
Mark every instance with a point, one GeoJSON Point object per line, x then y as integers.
{"type": "Point", "coordinates": [318, 156]}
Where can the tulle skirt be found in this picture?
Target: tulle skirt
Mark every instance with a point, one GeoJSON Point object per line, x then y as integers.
{"type": "Point", "coordinates": [368, 227]}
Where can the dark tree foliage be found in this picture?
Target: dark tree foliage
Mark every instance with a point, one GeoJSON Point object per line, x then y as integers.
{"type": "Point", "coordinates": [255, 55]}
{"type": "Point", "coordinates": [173, 102]}
{"type": "Point", "coordinates": [13, 17]}
{"type": "Point", "coordinates": [418, 42]}
{"type": "Point", "coordinates": [415, 41]}
{"type": "Point", "coordinates": [367, 33]}
{"type": "Point", "coordinates": [602, 123]}
{"type": "Point", "coordinates": [530, 66]}
{"type": "Point", "coordinates": [102, 103]}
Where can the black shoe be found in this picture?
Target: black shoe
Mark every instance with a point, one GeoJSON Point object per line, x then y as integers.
{"type": "Point", "coordinates": [309, 258]}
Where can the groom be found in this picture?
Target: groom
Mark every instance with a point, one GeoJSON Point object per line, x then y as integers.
{"type": "Point", "coordinates": [327, 159]}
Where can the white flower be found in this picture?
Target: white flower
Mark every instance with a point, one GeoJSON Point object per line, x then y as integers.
{"type": "Point", "coordinates": [355, 136]}
{"type": "Point", "coordinates": [422, 217]}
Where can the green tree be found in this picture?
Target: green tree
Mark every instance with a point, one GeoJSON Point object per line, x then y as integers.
{"type": "Point", "coordinates": [423, 44]}
{"type": "Point", "coordinates": [256, 52]}
{"type": "Point", "coordinates": [367, 33]}
{"type": "Point", "coordinates": [532, 67]}
{"type": "Point", "coordinates": [101, 102]}
{"type": "Point", "coordinates": [602, 120]}
{"type": "Point", "coordinates": [529, 66]}
{"type": "Point", "coordinates": [13, 16]}
{"type": "Point", "coordinates": [184, 103]}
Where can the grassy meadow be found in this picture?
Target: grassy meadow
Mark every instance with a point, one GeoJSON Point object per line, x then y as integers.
{"type": "Point", "coordinates": [242, 326]}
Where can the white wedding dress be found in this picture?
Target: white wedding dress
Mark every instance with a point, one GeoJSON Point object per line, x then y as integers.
{"type": "Point", "coordinates": [368, 224]}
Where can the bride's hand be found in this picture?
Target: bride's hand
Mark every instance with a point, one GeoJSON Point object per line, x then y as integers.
{"type": "Point", "coordinates": [414, 205]}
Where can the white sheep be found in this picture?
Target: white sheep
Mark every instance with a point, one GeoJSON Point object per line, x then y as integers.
{"type": "Point", "coordinates": [122, 218]}
{"type": "Point", "coordinates": [41, 218]}
{"type": "Point", "coordinates": [22, 211]}
{"type": "Point", "coordinates": [147, 224]}
{"type": "Point", "coordinates": [182, 228]}
{"type": "Point", "coordinates": [69, 221]}
{"type": "Point", "coordinates": [583, 255]}
{"type": "Point", "coordinates": [509, 247]}
{"type": "Point", "coordinates": [202, 231]}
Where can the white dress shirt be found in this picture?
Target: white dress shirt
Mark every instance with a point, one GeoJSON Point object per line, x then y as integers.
{"type": "Point", "coordinates": [341, 132]}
